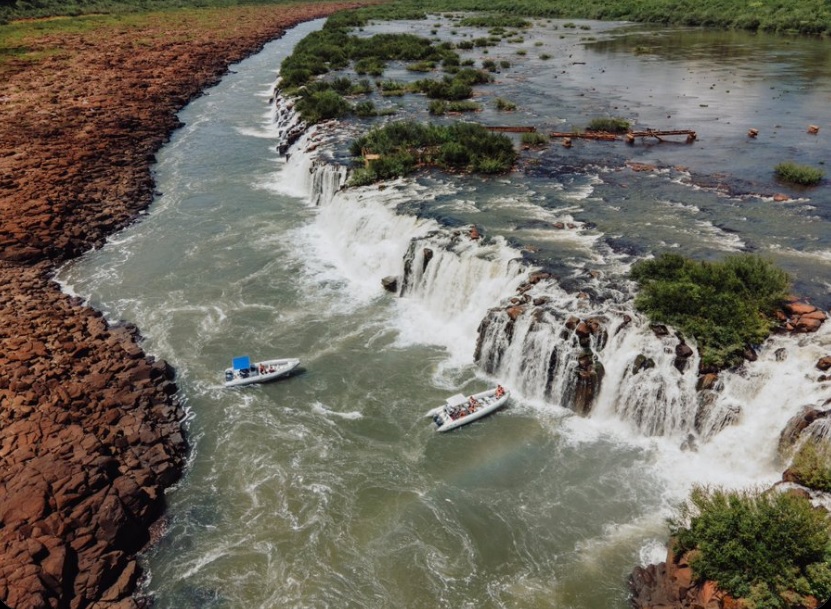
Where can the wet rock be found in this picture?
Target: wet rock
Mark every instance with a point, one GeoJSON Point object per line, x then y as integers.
{"type": "Point", "coordinates": [797, 424]}
{"type": "Point", "coordinates": [659, 330]}
{"type": "Point", "coordinates": [390, 283]}
{"type": "Point", "coordinates": [642, 363]}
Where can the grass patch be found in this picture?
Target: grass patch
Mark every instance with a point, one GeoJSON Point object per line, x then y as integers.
{"type": "Point", "coordinates": [611, 124]}
{"type": "Point", "coordinates": [724, 306]}
{"type": "Point", "coordinates": [439, 107]}
{"type": "Point", "coordinates": [770, 548]}
{"type": "Point", "coordinates": [505, 105]}
{"type": "Point", "coordinates": [500, 20]}
{"type": "Point", "coordinates": [802, 175]}
{"type": "Point", "coordinates": [533, 139]}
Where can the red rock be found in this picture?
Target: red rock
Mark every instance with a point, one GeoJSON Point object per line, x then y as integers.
{"type": "Point", "coordinates": [799, 308]}
{"type": "Point", "coordinates": [807, 324]}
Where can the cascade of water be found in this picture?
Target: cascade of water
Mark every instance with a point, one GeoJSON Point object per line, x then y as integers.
{"type": "Point", "coordinates": [589, 351]}
{"type": "Point", "coordinates": [599, 356]}
{"type": "Point", "coordinates": [453, 273]}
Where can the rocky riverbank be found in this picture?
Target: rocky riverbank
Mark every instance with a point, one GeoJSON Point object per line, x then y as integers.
{"type": "Point", "coordinates": [90, 426]}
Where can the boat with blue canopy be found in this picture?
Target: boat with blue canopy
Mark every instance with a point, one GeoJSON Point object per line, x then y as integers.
{"type": "Point", "coordinates": [245, 372]}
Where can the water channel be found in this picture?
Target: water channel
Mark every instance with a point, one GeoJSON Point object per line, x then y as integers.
{"type": "Point", "coordinates": [330, 489]}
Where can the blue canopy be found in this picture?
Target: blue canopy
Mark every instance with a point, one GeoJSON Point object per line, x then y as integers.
{"type": "Point", "coordinates": [241, 363]}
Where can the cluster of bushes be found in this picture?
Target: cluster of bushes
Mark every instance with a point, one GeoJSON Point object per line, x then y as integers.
{"type": "Point", "coordinates": [805, 17]}
{"type": "Point", "coordinates": [725, 306]}
{"type": "Point", "coordinates": [332, 48]}
{"type": "Point", "coordinates": [404, 145]}
{"type": "Point", "coordinates": [803, 175]}
{"type": "Point", "coordinates": [771, 549]}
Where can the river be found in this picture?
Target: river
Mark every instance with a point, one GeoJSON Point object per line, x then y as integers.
{"type": "Point", "coordinates": [330, 488]}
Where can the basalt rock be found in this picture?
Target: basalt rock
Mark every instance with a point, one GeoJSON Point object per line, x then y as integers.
{"type": "Point", "coordinates": [90, 426]}
{"type": "Point", "coordinates": [671, 585]}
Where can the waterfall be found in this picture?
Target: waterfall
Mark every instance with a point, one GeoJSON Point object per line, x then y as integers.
{"type": "Point", "coordinates": [600, 357]}
{"type": "Point", "coordinates": [587, 350]}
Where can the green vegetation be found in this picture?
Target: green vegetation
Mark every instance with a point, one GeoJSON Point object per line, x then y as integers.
{"type": "Point", "coordinates": [806, 16]}
{"type": "Point", "coordinates": [725, 305]}
{"type": "Point", "coordinates": [404, 145]}
{"type": "Point", "coordinates": [611, 124]}
{"type": "Point", "coordinates": [439, 107]}
{"type": "Point", "coordinates": [533, 139]}
{"type": "Point", "coordinates": [365, 109]}
{"type": "Point", "coordinates": [811, 466]}
{"type": "Point", "coordinates": [495, 20]}
{"type": "Point", "coordinates": [798, 174]}
{"type": "Point", "coordinates": [771, 549]}
{"type": "Point", "coordinates": [505, 105]}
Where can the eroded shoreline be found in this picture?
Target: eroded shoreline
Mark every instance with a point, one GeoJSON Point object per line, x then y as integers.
{"type": "Point", "coordinates": [90, 426]}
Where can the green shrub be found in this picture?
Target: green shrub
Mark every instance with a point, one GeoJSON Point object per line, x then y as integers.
{"type": "Point", "coordinates": [811, 466]}
{"type": "Point", "coordinates": [767, 547]}
{"type": "Point", "coordinates": [369, 65]}
{"type": "Point", "coordinates": [614, 125]}
{"type": "Point", "coordinates": [362, 87]}
{"type": "Point", "coordinates": [504, 104]}
{"type": "Point", "coordinates": [725, 305]}
{"type": "Point", "coordinates": [437, 107]}
{"type": "Point", "coordinates": [798, 174]}
{"type": "Point", "coordinates": [365, 109]}
{"type": "Point", "coordinates": [489, 64]}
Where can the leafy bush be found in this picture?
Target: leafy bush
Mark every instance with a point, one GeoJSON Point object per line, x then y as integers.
{"type": "Point", "coordinates": [725, 305]}
{"type": "Point", "coordinates": [811, 466]}
{"type": "Point", "coordinates": [504, 104]}
{"type": "Point", "coordinates": [614, 125]}
{"type": "Point", "coordinates": [767, 547]}
{"type": "Point", "coordinates": [798, 174]}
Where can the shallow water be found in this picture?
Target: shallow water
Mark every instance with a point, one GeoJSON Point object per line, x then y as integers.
{"type": "Point", "coordinates": [330, 489]}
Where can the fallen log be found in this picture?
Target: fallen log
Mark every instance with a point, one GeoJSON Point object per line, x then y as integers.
{"type": "Point", "coordinates": [512, 129]}
{"type": "Point", "coordinates": [586, 135]}
{"type": "Point", "coordinates": [658, 135]}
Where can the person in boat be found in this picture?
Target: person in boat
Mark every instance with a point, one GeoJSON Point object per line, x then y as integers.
{"type": "Point", "coordinates": [499, 391]}
{"type": "Point", "coordinates": [262, 369]}
{"type": "Point", "coordinates": [472, 404]}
